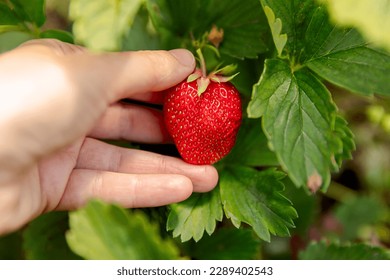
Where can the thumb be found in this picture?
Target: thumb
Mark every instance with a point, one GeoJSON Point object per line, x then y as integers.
{"type": "Point", "coordinates": [122, 75]}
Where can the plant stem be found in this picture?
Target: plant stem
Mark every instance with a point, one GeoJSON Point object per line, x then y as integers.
{"type": "Point", "coordinates": [202, 62]}
{"type": "Point", "coordinates": [339, 192]}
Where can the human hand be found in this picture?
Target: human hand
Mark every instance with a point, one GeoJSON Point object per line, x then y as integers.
{"type": "Point", "coordinates": [57, 100]}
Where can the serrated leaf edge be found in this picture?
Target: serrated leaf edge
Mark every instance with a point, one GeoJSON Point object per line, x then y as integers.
{"type": "Point", "coordinates": [275, 24]}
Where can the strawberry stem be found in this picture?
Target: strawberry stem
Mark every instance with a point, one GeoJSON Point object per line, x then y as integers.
{"type": "Point", "coordinates": [218, 75]}
{"type": "Point", "coordinates": [202, 62]}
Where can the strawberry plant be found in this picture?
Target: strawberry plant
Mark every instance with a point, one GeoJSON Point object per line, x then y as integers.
{"type": "Point", "coordinates": [302, 148]}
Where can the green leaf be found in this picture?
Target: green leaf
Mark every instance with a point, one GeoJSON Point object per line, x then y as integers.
{"type": "Point", "coordinates": [306, 205]}
{"type": "Point", "coordinates": [178, 16]}
{"type": "Point", "coordinates": [7, 17]}
{"type": "Point", "coordinates": [244, 27]}
{"type": "Point", "coordinates": [275, 24]}
{"type": "Point", "coordinates": [322, 251]}
{"type": "Point", "coordinates": [337, 55]}
{"type": "Point", "coordinates": [199, 213]}
{"type": "Point", "coordinates": [346, 143]}
{"type": "Point", "coordinates": [374, 159]}
{"type": "Point", "coordinates": [298, 117]}
{"type": "Point", "coordinates": [362, 70]}
{"type": "Point", "coordinates": [44, 238]}
{"type": "Point", "coordinates": [30, 10]}
{"type": "Point", "coordinates": [323, 38]}
{"type": "Point", "coordinates": [251, 147]}
{"type": "Point", "coordinates": [249, 70]}
{"type": "Point", "coordinates": [372, 18]}
{"type": "Point", "coordinates": [11, 29]}
{"type": "Point", "coordinates": [357, 213]}
{"type": "Point", "coordinates": [293, 17]}
{"type": "Point", "coordinates": [61, 35]}
{"type": "Point", "coordinates": [226, 244]}
{"type": "Point", "coordinates": [11, 246]}
{"type": "Point", "coordinates": [255, 198]}
{"type": "Point", "coordinates": [101, 24]}
{"type": "Point", "coordinates": [342, 57]}
{"type": "Point", "coordinates": [11, 40]}
{"type": "Point", "coordinates": [141, 35]}
{"type": "Point", "coordinates": [103, 231]}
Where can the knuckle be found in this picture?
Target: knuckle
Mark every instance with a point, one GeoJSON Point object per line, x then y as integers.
{"type": "Point", "coordinates": [162, 163]}
{"type": "Point", "coordinates": [162, 63]}
{"type": "Point", "coordinates": [97, 190]}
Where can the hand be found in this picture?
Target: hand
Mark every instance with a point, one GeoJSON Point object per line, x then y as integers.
{"type": "Point", "coordinates": [57, 100]}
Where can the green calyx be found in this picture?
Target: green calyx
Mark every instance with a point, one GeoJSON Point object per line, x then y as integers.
{"type": "Point", "coordinates": [219, 75]}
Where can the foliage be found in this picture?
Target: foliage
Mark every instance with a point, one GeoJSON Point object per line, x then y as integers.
{"type": "Point", "coordinates": [311, 158]}
{"type": "Point", "coordinates": [44, 238]}
{"type": "Point", "coordinates": [255, 198]}
{"type": "Point", "coordinates": [197, 214]}
{"type": "Point", "coordinates": [103, 231]}
{"type": "Point", "coordinates": [24, 19]}
{"type": "Point", "coordinates": [372, 18]}
{"type": "Point", "coordinates": [323, 251]}
{"type": "Point", "coordinates": [225, 244]}
{"type": "Point", "coordinates": [358, 215]}
{"type": "Point", "coordinates": [102, 24]}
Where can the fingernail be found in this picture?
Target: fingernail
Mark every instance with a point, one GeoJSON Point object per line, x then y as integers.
{"type": "Point", "coordinates": [184, 57]}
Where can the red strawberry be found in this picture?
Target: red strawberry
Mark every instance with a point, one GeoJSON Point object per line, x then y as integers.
{"type": "Point", "coordinates": [203, 115]}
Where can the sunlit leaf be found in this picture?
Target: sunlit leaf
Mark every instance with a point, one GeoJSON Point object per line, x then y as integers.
{"type": "Point", "coordinates": [141, 35]}
{"type": "Point", "coordinates": [104, 231]}
{"type": "Point", "coordinates": [372, 18]}
{"type": "Point", "coordinates": [101, 24]}
{"type": "Point", "coordinates": [192, 217]}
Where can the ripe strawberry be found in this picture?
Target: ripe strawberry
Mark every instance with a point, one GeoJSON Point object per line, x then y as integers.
{"type": "Point", "coordinates": [203, 116]}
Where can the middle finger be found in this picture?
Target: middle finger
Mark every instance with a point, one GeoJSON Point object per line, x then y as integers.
{"type": "Point", "coordinates": [98, 155]}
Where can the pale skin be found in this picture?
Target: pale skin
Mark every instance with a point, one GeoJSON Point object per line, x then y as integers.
{"type": "Point", "coordinates": [57, 101]}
